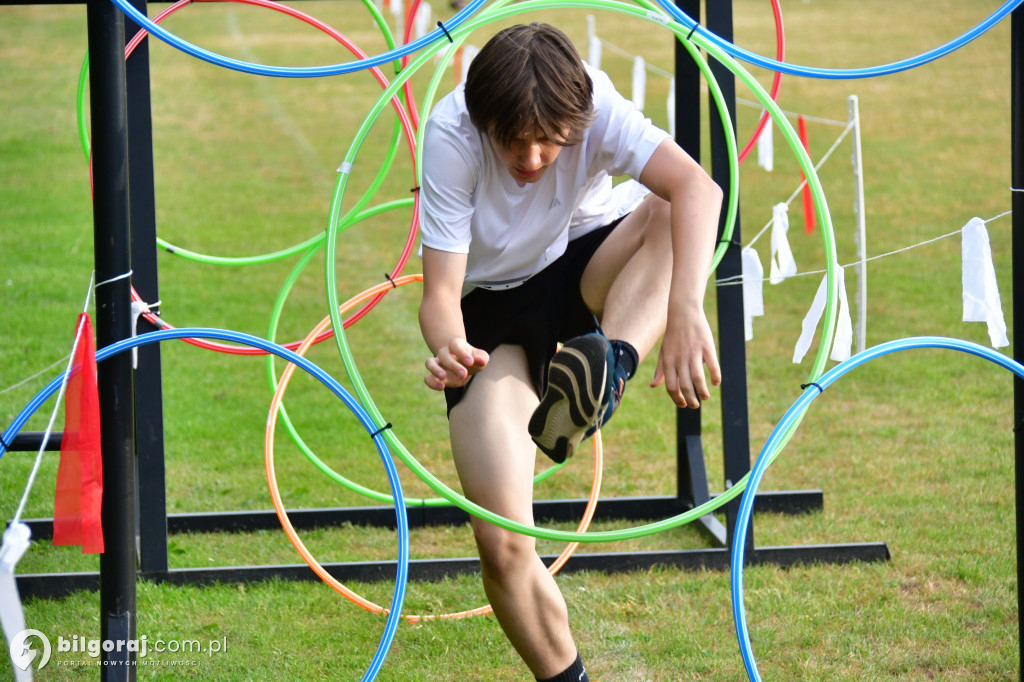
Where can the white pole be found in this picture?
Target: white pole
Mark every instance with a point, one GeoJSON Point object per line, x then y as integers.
{"type": "Point", "coordinates": [593, 43]}
{"type": "Point", "coordinates": [639, 82]}
{"type": "Point", "coordinates": [859, 212]}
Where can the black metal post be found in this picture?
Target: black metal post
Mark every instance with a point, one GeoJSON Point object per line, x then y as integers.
{"type": "Point", "coordinates": [692, 481]}
{"type": "Point", "coordinates": [731, 342]}
{"type": "Point", "coordinates": [112, 237]}
{"type": "Point", "coordinates": [687, 102]}
{"type": "Point", "coordinates": [692, 488]}
{"type": "Point", "coordinates": [151, 530]}
{"type": "Point", "coordinates": [1017, 182]}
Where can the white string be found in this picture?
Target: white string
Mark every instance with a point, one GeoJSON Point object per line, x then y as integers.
{"type": "Point", "coordinates": [738, 279]}
{"type": "Point", "coordinates": [622, 53]}
{"type": "Point", "coordinates": [817, 167]}
{"type": "Point", "coordinates": [56, 408]}
{"type": "Point", "coordinates": [739, 100]}
{"type": "Point", "coordinates": [28, 379]}
{"type": "Point", "coordinates": [112, 279]}
{"type": "Point", "coordinates": [793, 114]}
{"type": "Point", "coordinates": [47, 369]}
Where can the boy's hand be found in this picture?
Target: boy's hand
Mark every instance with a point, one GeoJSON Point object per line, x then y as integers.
{"type": "Point", "coordinates": [454, 364]}
{"type": "Point", "coordinates": [687, 346]}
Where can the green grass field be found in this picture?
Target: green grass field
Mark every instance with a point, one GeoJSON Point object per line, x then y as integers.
{"type": "Point", "coordinates": [913, 449]}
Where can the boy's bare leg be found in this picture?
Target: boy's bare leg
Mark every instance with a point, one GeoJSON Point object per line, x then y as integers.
{"type": "Point", "coordinates": [495, 460]}
{"type": "Point", "coordinates": [627, 281]}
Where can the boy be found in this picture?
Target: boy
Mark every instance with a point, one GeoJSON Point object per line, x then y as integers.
{"type": "Point", "coordinates": [525, 244]}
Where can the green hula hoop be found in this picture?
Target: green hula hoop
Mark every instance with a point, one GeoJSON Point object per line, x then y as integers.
{"type": "Point", "coordinates": [820, 206]}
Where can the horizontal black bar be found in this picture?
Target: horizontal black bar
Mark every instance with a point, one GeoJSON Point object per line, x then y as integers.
{"type": "Point", "coordinates": [823, 554]}
{"type": "Point", "coordinates": [626, 508]}
{"type": "Point", "coordinates": [717, 558]}
{"type": "Point", "coordinates": [57, 585]}
{"type": "Point", "coordinates": [31, 441]}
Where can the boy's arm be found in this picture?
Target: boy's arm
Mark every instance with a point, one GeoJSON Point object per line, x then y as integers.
{"type": "Point", "coordinates": [454, 360]}
{"type": "Point", "coordinates": [696, 202]}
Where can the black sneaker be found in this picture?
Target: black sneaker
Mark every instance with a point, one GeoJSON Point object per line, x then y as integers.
{"type": "Point", "coordinates": [618, 385]}
{"type": "Point", "coordinates": [581, 396]}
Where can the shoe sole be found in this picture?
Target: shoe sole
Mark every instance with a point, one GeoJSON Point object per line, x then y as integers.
{"type": "Point", "coordinates": [573, 398]}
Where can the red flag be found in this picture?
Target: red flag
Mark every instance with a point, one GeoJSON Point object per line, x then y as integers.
{"type": "Point", "coordinates": [76, 506]}
{"type": "Point", "coordinates": [808, 199]}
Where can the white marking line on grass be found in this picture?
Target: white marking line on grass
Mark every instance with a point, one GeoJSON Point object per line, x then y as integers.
{"type": "Point", "coordinates": [281, 117]}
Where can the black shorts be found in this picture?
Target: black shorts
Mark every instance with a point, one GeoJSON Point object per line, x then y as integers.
{"type": "Point", "coordinates": [544, 310]}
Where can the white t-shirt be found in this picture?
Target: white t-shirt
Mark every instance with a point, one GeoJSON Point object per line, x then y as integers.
{"type": "Point", "coordinates": [471, 203]}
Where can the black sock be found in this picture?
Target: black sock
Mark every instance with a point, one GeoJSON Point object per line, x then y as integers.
{"type": "Point", "coordinates": [626, 356]}
{"type": "Point", "coordinates": [574, 673]}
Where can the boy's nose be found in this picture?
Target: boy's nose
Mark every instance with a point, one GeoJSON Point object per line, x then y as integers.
{"type": "Point", "coordinates": [530, 158]}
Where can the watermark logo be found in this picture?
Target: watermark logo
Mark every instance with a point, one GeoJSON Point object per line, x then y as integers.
{"type": "Point", "coordinates": [25, 650]}
{"type": "Point", "coordinates": [22, 652]}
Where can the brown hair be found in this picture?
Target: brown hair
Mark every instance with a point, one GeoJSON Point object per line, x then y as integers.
{"type": "Point", "coordinates": [530, 77]}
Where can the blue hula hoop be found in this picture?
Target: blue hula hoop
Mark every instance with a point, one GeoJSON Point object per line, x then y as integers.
{"type": "Point", "coordinates": [774, 442]}
{"type": "Point", "coordinates": [462, 15]}
{"type": "Point", "coordinates": [838, 74]}
{"type": "Point", "coordinates": [402, 577]}
{"type": "Point", "coordinates": [296, 71]}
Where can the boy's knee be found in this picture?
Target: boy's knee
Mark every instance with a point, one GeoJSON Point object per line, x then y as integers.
{"type": "Point", "coordinates": [503, 552]}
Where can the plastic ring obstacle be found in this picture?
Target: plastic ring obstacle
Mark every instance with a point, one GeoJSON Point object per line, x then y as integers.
{"type": "Point", "coordinates": [830, 311]}
{"type": "Point", "coordinates": [293, 72]}
{"type": "Point", "coordinates": [780, 55]}
{"type": "Point", "coordinates": [835, 74]}
{"type": "Point", "coordinates": [658, 19]}
{"type": "Point", "coordinates": [327, 380]}
{"type": "Point", "coordinates": [780, 435]}
{"type": "Point", "coordinates": [723, 500]}
{"type": "Point", "coordinates": [282, 513]}
{"type": "Point", "coordinates": [792, 420]}
{"type": "Point", "coordinates": [330, 276]}
{"type": "Point", "coordinates": [356, 212]}
{"type": "Point", "coordinates": [349, 162]}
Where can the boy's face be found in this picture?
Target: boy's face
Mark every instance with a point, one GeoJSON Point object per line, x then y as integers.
{"type": "Point", "coordinates": [529, 155]}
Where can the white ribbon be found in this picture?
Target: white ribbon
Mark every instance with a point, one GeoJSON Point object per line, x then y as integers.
{"type": "Point", "coordinates": [980, 290]}
{"type": "Point", "coordinates": [765, 152]}
{"type": "Point", "coordinates": [139, 308]}
{"type": "Point", "coordinates": [16, 540]}
{"type": "Point", "coordinates": [842, 344]}
{"type": "Point", "coordinates": [782, 263]}
{"type": "Point", "coordinates": [422, 20]}
{"type": "Point", "coordinates": [753, 290]}
{"type": "Point", "coordinates": [843, 340]}
{"type": "Point", "coordinates": [398, 12]}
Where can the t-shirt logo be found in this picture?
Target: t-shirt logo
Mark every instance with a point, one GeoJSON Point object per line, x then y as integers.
{"type": "Point", "coordinates": [554, 202]}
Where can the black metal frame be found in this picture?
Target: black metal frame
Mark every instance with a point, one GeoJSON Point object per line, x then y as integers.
{"type": "Point", "coordinates": [1017, 249]}
{"type": "Point", "coordinates": [111, 243]}
{"type": "Point", "coordinates": [153, 521]}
